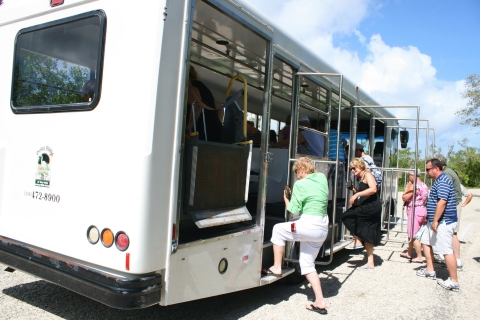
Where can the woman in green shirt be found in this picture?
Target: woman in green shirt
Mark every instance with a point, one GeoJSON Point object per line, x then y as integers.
{"type": "Point", "coordinates": [309, 199]}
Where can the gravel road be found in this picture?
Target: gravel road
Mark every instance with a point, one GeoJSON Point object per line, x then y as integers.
{"type": "Point", "coordinates": [390, 291]}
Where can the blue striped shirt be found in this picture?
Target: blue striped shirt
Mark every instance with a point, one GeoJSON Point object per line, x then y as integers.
{"type": "Point", "coordinates": [442, 188]}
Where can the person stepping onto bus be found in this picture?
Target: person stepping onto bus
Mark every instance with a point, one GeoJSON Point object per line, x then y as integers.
{"type": "Point", "coordinates": [421, 196]}
{"type": "Point", "coordinates": [309, 199]}
{"type": "Point", "coordinates": [363, 218]}
{"type": "Point", "coordinates": [442, 221]}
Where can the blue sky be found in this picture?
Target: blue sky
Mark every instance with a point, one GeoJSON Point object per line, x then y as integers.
{"type": "Point", "coordinates": [402, 52]}
{"type": "Point", "coordinates": [448, 31]}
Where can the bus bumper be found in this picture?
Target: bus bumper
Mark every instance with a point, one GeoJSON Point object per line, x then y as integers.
{"type": "Point", "coordinates": [111, 290]}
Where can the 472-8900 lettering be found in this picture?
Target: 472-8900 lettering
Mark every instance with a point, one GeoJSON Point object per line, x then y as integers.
{"type": "Point", "coordinates": [45, 196]}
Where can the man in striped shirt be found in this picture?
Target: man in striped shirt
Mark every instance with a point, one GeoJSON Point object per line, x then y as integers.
{"type": "Point", "coordinates": [442, 221]}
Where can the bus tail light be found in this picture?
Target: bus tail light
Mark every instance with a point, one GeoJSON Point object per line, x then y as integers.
{"type": "Point", "coordinates": [127, 261]}
{"type": "Point", "coordinates": [54, 3]}
{"type": "Point", "coordinates": [93, 235]}
{"type": "Point", "coordinates": [174, 231]}
{"type": "Point", "coordinates": [121, 241]}
{"type": "Point", "coordinates": [107, 238]}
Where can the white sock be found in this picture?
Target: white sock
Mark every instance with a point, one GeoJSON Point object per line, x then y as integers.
{"type": "Point", "coordinates": [459, 262]}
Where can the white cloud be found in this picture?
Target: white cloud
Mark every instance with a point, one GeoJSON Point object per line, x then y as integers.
{"type": "Point", "coordinates": [391, 75]}
{"type": "Point", "coordinates": [306, 16]}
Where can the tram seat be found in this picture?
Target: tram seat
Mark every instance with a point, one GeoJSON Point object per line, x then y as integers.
{"type": "Point", "coordinates": [277, 173]}
{"type": "Point", "coordinates": [216, 182]}
{"type": "Point", "coordinates": [233, 121]}
{"type": "Point", "coordinates": [378, 153]}
{"type": "Point", "coordinates": [217, 174]}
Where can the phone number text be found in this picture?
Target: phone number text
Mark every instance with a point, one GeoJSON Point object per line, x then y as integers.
{"type": "Point", "coordinates": [43, 196]}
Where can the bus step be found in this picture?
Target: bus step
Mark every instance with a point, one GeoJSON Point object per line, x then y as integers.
{"type": "Point", "coordinates": [338, 246]}
{"type": "Point", "coordinates": [271, 278]}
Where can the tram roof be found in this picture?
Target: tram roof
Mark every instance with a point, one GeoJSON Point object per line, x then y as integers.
{"type": "Point", "coordinates": [305, 57]}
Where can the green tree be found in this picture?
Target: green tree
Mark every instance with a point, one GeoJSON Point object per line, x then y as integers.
{"type": "Point", "coordinates": [466, 162]}
{"type": "Point", "coordinates": [43, 80]}
{"type": "Point", "coordinates": [406, 159]}
{"type": "Point", "coordinates": [471, 114]}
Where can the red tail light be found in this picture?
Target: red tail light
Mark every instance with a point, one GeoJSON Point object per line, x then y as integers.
{"type": "Point", "coordinates": [54, 3]}
{"type": "Point", "coordinates": [121, 241]}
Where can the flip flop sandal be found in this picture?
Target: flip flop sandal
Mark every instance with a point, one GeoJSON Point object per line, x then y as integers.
{"type": "Point", "coordinates": [271, 273]}
{"type": "Point", "coordinates": [317, 309]}
{"type": "Point", "coordinates": [364, 269]}
{"type": "Point", "coordinates": [405, 255]}
{"type": "Point", "coordinates": [416, 260]}
{"type": "Point", "coordinates": [354, 248]}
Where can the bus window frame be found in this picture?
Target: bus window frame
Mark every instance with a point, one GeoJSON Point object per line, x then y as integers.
{"type": "Point", "coordinates": [69, 107]}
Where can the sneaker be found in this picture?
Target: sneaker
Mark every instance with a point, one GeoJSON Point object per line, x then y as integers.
{"type": "Point", "coordinates": [444, 265]}
{"type": "Point", "coordinates": [427, 274]}
{"type": "Point", "coordinates": [449, 284]}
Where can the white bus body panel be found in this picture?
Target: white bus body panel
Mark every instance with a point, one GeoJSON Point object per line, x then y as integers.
{"type": "Point", "coordinates": [105, 165]}
{"type": "Point", "coordinates": [194, 268]}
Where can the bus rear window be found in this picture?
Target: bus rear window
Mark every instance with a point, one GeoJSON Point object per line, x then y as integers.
{"type": "Point", "coordinates": [57, 66]}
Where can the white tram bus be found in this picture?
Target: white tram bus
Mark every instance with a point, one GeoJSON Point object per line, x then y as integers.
{"type": "Point", "coordinates": [102, 191]}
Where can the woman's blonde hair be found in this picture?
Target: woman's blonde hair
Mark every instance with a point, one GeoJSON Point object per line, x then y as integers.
{"type": "Point", "coordinates": [306, 164]}
{"type": "Point", "coordinates": [358, 163]}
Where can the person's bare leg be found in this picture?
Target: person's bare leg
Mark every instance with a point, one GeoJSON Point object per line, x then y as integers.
{"type": "Point", "coordinates": [456, 246]}
{"type": "Point", "coordinates": [418, 248]}
{"type": "Point", "coordinates": [369, 249]}
{"type": "Point", "coordinates": [410, 248]}
{"type": "Point", "coordinates": [358, 242]}
{"type": "Point", "coordinates": [277, 259]}
{"type": "Point", "coordinates": [428, 252]}
{"type": "Point", "coordinates": [451, 263]}
{"type": "Point", "coordinates": [317, 289]}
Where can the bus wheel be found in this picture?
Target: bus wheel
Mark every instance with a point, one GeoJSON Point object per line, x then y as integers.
{"type": "Point", "coordinates": [296, 277]}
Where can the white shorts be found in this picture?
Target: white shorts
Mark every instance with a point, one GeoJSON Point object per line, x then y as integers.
{"type": "Point", "coordinates": [442, 239]}
{"type": "Point", "coordinates": [311, 232]}
{"type": "Point", "coordinates": [459, 212]}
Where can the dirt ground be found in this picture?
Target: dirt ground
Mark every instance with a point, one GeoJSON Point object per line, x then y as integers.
{"type": "Point", "coordinates": [390, 291]}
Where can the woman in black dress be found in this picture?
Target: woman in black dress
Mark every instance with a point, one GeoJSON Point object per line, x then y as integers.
{"type": "Point", "coordinates": [363, 218]}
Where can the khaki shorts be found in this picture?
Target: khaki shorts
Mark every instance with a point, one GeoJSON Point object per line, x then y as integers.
{"type": "Point", "coordinates": [459, 212]}
{"type": "Point", "coordinates": [442, 239]}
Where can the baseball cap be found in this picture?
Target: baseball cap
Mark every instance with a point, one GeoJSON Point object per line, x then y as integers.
{"type": "Point", "coordinates": [303, 118]}
{"type": "Point", "coordinates": [359, 147]}
{"type": "Point", "coordinates": [442, 159]}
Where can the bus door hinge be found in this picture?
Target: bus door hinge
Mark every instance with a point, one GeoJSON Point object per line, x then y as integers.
{"type": "Point", "coordinates": [268, 157]}
{"type": "Point", "coordinates": [174, 246]}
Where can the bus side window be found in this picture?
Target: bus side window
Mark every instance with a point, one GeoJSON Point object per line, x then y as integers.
{"type": "Point", "coordinates": [58, 65]}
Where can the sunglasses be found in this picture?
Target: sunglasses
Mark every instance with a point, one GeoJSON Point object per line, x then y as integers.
{"type": "Point", "coordinates": [428, 169]}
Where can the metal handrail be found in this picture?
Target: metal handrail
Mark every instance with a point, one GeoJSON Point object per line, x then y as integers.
{"type": "Point", "coordinates": [311, 108]}
{"type": "Point", "coordinates": [324, 161]}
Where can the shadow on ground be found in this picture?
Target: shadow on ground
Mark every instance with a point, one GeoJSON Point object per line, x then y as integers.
{"type": "Point", "coordinates": [69, 305]}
